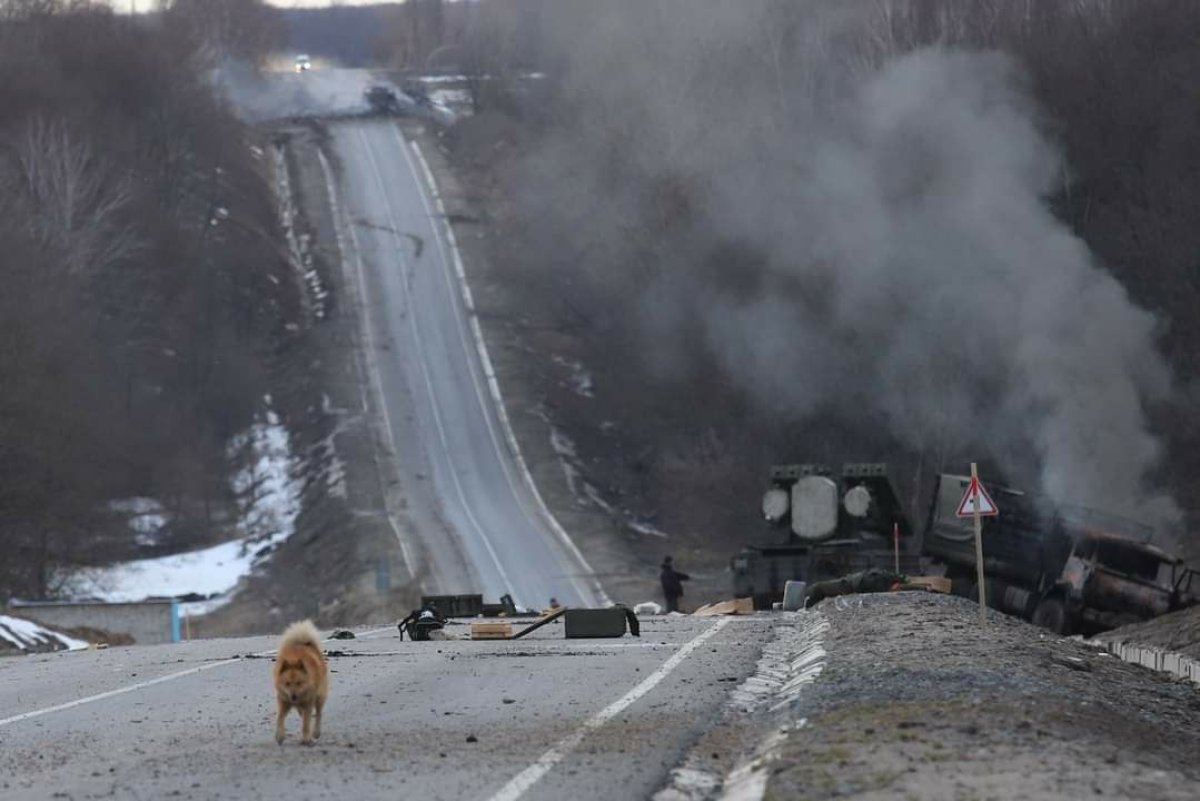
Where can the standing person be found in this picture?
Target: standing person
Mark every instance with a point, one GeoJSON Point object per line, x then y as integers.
{"type": "Point", "coordinates": [672, 584]}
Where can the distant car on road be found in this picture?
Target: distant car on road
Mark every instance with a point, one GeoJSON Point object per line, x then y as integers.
{"type": "Point", "coordinates": [303, 63]}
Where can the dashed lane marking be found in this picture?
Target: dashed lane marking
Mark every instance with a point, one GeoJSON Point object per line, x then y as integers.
{"type": "Point", "coordinates": [519, 784]}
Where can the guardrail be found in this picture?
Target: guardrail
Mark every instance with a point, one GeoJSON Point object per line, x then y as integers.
{"type": "Point", "coordinates": [1171, 662]}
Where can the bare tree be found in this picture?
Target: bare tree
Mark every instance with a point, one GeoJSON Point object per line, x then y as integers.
{"type": "Point", "coordinates": [79, 210]}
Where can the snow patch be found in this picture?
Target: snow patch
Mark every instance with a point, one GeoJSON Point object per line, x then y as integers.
{"type": "Point", "coordinates": [146, 516]}
{"type": "Point", "coordinates": [642, 527]}
{"type": "Point", "coordinates": [25, 635]}
{"type": "Point", "coordinates": [269, 501]}
{"type": "Point", "coordinates": [579, 378]}
{"type": "Point", "coordinates": [451, 98]}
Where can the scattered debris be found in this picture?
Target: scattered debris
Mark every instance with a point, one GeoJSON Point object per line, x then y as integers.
{"type": "Point", "coordinates": [420, 623]}
{"type": "Point", "coordinates": [1072, 662]}
{"type": "Point", "coordinates": [442, 634]}
{"type": "Point", "coordinates": [469, 605]}
{"type": "Point", "coordinates": [610, 622]}
{"type": "Point", "coordinates": [648, 608]}
{"type": "Point", "coordinates": [342, 634]}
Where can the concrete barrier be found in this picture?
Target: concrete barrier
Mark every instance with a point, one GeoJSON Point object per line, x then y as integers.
{"type": "Point", "coordinates": [147, 622]}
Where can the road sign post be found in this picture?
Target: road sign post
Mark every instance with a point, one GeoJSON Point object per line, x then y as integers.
{"type": "Point", "coordinates": [979, 548]}
{"type": "Point", "coordinates": [976, 503]}
{"type": "Point", "coordinates": [896, 545]}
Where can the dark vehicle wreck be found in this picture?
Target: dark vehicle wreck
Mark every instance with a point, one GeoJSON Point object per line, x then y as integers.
{"type": "Point", "coordinates": [1067, 569]}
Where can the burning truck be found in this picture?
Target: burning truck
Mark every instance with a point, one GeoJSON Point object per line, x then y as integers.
{"type": "Point", "coordinates": [1065, 568]}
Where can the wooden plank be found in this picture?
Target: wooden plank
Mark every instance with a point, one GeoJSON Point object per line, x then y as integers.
{"type": "Point", "coordinates": [934, 583]}
{"type": "Point", "coordinates": [534, 627]}
{"type": "Point", "coordinates": [736, 606]}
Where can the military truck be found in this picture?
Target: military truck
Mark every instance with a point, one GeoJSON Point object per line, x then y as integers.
{"type": "Point", "coordinates": [1067, 569]}
{"type": "Point", "coordinates": [837, 522]}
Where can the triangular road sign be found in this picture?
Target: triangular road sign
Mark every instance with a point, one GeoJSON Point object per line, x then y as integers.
{"type": "Point", "coordinates": [974, 495]}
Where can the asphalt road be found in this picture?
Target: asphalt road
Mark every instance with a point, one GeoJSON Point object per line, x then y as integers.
{"type": "Point", "coordinates": [538, 718]}
{"type": "Point", "coordinates": [472, 522]}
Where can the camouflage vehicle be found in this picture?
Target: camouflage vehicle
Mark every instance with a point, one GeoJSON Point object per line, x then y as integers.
{"type": "Point", "coordinates": [1068, 569]}
{"type": "Point", "coordinates": [837, 523]}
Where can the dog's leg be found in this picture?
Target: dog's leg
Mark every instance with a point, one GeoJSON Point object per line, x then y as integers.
{"type": "Point", "coordinates": [320, 713]}
{"type": "Point", "coordinates": [282, 710]}
{"type": "Point", "coordinates": [306, 716]}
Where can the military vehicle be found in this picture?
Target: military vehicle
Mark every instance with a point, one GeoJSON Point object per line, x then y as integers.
{"type": "Point", "coordinates": [838, 522]}
{"type": "Point", "coordinates": [382, 100]}
{"type": "Point", "coordinates": [1068, 569]}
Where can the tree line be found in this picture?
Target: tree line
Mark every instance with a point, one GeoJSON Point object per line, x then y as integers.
{"type": "Point", "coordinates": [143, 298]}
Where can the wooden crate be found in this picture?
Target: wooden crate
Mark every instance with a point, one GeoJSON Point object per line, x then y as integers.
{"type": "Point", "coordinates": [491, 630]}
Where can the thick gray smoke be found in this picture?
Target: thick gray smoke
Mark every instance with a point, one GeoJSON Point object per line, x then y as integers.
{"type": "Point", "coordinates": [324, 91]}
{"type": "Point", "coordinates": [851, 231]}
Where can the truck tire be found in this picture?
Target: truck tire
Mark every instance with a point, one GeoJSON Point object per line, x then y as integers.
{"type": "Point", "coordinates": [1051, 613]}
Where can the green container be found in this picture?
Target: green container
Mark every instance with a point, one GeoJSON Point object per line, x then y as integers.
{"type": "Point", "coordinates": [581, 623]}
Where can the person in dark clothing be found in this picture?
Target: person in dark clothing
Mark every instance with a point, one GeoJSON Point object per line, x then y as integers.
{"type": "Point", "coordinates": [672, 584]}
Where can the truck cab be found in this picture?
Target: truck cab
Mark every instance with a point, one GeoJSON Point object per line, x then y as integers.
{"type": "Point", "coordinates": [1110, 581]}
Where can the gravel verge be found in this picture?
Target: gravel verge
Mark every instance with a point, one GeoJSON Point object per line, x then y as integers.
{"type": "Point", "coordinates": [916, 700]}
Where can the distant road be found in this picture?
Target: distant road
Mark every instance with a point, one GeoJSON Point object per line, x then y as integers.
{"type": "Point", "coordinates": [539, 718]}
{"type": "Point", "coordinates": [476, 523]}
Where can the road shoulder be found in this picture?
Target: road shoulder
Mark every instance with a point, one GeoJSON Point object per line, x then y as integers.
{"type": "Point", "coordinates": [917, 701]}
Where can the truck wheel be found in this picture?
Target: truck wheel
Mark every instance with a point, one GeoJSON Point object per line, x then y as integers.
{"type": "Point", "coordinates": [1051, 614]}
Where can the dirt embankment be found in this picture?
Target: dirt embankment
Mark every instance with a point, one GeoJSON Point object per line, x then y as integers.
{"type": "Point", "coordinates": [343, 564]}
{"type": "Point", "coordinates": [916, 700]}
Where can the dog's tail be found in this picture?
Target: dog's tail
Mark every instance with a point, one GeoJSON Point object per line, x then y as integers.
{"type": "Point", "coordinates": [302, 633]}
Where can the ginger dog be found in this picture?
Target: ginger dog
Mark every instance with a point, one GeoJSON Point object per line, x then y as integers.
{"type": "Point", "coordinates": [301, 680]}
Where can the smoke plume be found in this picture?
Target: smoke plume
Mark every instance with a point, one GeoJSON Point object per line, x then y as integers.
{"type": "Point", "coordinates": [849, 229]}
{"type": "Point", "coordinates": [325, 91]}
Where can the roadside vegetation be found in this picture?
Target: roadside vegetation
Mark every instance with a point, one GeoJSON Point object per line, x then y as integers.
{"type": "Point", "coordinates": [144, 293]}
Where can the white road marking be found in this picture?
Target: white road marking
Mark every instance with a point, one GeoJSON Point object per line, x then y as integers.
{"type": "Point", "coordinates": [119, 691]}
{"type": "Point", "coordinates": [421, 355]}
{"type": "Point", "coordinates": [141, 685]}
{"type": "Point", "coordinates": [597, 591]}
{"type": "Point", "coordinates": [372, 374]}
{"type": "Point", "coordinates": [519, 784]}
